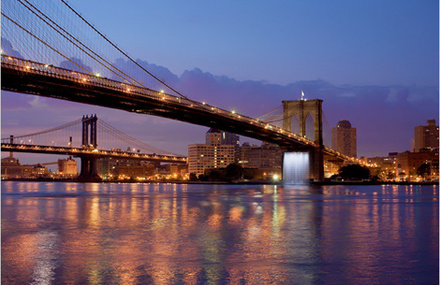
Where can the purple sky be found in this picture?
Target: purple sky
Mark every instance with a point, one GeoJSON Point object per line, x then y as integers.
{"type": "Point", "coordinates": [374, 63]}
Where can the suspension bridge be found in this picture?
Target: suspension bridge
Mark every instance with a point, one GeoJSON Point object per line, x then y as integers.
{"type": "Point", "coordinates": [80, 139]}
{"type": "Point", "coordinates": [47, 51]}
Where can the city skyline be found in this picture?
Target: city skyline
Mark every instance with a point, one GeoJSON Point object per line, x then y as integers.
{"type": "Point", "coordinates": [376, 109]}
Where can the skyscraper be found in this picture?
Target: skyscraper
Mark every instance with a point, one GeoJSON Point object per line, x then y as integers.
{"type": "Point", "coordinates": [426, 136]}
{"type": "Point", "coordinates": [344, 138]}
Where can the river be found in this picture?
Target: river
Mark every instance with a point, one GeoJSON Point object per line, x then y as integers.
{"type": "Point", "coordinates": [104, 233]}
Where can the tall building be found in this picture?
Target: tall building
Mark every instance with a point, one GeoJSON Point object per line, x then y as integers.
{"type": "Point", "coordinates": [232, 139]}
{"type": "Point", "coordinates": [344, 138]}
{"type": "Point", "coordinates": [213, 137]}
{"type": "Point", "coordinates": [211, 155]}
{"type": "Point", "coordinates": [217, 137]}
{"type": "Point", "coordinates": [426, 137]}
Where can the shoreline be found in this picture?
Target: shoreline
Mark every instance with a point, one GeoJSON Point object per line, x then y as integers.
{"type": "Point", "coordinates": [250, 182]}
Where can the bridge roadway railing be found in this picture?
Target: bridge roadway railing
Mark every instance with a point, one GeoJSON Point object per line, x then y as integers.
{"type": "Point", "coordinates": [91, 152]}
{"type": "Point", "coordinates": [94, 80]}
{"type": "Point", "coordinates": [129, 89]}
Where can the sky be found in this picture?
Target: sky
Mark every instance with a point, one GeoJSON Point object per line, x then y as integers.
{"type": "Point", "coordinates": [374, 63]}
{"type": "Point", "coordinates": [343, 42]}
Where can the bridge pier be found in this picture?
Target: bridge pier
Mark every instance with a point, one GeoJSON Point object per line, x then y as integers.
{"type": "Point", "coordinates": [303, 166]}
{"type": "Point", "coordinates": [89, 169]}
{"type": "Point", "coordinates": [11, 141]}
{"type": "Point", "coordinates": [316, 164]}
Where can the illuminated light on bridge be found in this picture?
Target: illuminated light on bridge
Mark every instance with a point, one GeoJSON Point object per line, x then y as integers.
{"type": "Point", "coordinates": [87, 152]}
{"type": "Point", "coordinates": [43, 80]}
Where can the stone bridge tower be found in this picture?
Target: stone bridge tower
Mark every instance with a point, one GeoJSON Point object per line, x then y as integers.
{"type": "Point", "coordinates": [302, 108]}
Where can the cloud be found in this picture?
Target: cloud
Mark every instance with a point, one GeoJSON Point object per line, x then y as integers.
{"type": "Point", "coordinates": [38, 102]}
{"type": "Point", "coordinates": [8, 49]}
{"type": "Point", "coordinates": [76, 64]}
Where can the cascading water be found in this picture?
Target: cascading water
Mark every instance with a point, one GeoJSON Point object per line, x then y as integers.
{"type": "Point", "coordinates": [296, 168]}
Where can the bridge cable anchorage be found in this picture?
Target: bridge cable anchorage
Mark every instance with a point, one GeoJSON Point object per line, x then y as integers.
{"type": "Point", "coordinates": [122, 52]}
{"type": "Point", "coordinates": [43, 42]}
{"type": "Point", "coordinates": [58, 28]}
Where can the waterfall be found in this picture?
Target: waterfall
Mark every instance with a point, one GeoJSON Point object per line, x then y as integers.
{"type": "Point", "coordinates": [296, 168]}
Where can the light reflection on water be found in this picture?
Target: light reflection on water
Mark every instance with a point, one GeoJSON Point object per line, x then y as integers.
{"type": "Point", "coordinates": [80, 233]}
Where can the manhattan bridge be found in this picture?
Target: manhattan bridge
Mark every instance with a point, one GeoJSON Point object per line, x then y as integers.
{"type": "Point", "coordinates": [48, 49]}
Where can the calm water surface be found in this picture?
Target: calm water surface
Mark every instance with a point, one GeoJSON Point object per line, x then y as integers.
{"type": "Point", "coordinates": [87, 233]}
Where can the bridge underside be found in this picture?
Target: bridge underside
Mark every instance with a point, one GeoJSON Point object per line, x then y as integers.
{"type": "Point", "coordinates": [65, 89]}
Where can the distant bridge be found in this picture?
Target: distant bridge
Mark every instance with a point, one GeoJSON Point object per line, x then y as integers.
{"type": "Point", "coordinates": [80, 139]}
{"type": "Point", "coordinates": [98, 153]}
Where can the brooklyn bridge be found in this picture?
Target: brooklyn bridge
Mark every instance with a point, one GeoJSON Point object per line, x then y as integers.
{"type": "Point", "coordinates": [36, 42]}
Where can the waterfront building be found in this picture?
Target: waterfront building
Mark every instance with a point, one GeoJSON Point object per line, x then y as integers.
{"type": "Point", "coordinates": [67, 167]}
{"type": "Point", "coordinates": [243, 158]}
{"type": "Point", "coordinates": [212, 155]}
{"type": "Point", "coordinates": [139, 171]}
{"type": "Point", "coordinates": [266, 156]}
{"type": "Point", "coordinates": [384, 167]}
{"type": "Point", "coordinates": [116, 168]}
{"type": "Point", "coordinates": [202, 156]}
{"type": "Point", "coordinates": [344, 138]}
{"type": "Point", "coordinates": [11, 168]}
{"type": "Point", "coordinates": [426, 137]}
{"type": "Point", "coordinates": [407, 163]}
{"type": "Point", "coordinates": [178, 169]}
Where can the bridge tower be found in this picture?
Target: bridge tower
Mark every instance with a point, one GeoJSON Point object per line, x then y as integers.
{"type": "Point", "coordinates": [302, 108]}
{"type": "Point", "coordinates": [89, 169]}
{"type": "Point", "coordinates": [11, 141]}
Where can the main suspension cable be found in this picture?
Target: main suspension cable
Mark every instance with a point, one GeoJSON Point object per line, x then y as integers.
{"type": "Point", "coordinates": [122, 52]}
{"type": "Point", "coordinates": [43, 42]}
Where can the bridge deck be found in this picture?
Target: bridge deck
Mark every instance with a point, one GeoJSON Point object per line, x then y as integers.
{"type": "Point", "coordinates": [84, 152]}
{"type": "Point", "coordinates": [30, 77]}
